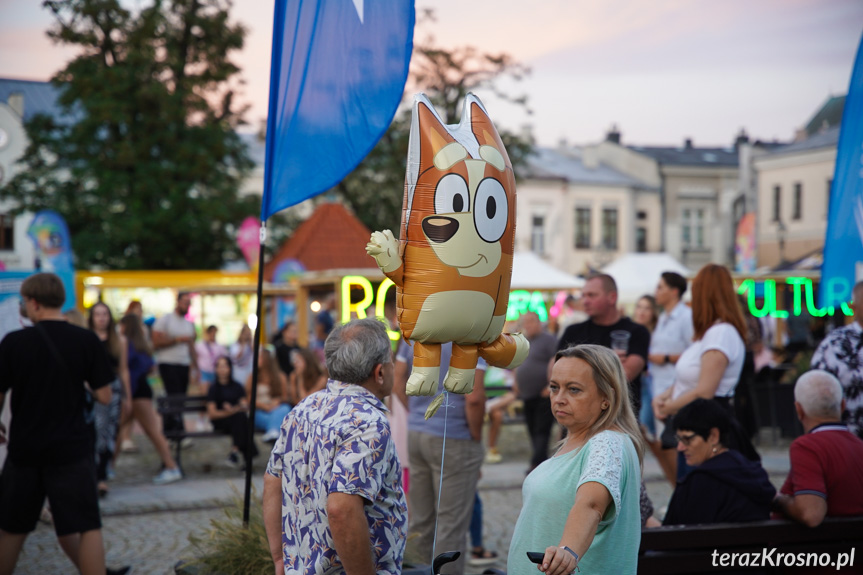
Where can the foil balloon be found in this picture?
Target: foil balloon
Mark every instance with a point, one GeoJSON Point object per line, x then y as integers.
{"type": "Point", "coordinates": [453, 261]}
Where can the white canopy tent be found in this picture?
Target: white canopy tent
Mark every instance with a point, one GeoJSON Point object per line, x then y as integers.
{"type": "Point", "coordinates": [637, 274]}
{"type": "Point", "coordinates": [530, 272]}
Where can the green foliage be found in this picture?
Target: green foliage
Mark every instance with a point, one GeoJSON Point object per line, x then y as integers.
{"type": "Point", "coordinates": [146, 166]}
{"type": "Point", "coordinates": [229, 548]}
{"type": "Point", "coordinates": [375, 189]}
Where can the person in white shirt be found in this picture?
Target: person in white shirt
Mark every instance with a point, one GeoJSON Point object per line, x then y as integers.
{"type": "Point", "coordinates": [673, 334]}
{"type": "Point", "coordinates": [174, 342]}
{"type": "Point", "coordinates": [709, 368]}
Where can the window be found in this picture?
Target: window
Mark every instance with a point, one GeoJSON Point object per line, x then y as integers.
{"type": "Point", "coordinates": [798, 201]}
{"type": "Point", "coordinates": [537, 235]}
{"type": "Point", "coordinates": [641, 240]}
{"type": "Point", "coordinates": [777, 203]}
{"type": "Point", "coordinates": [609, 228]}
{"type": "Point", "coordinates": [7, 232]}
{"type": "Point", "coordinates": [829, 191]}
{"type": "Point", "coordinates": [641, 215]}
{"type": "Point", "coordinates": [692, 227]}
{"type": "Point", "coordinates": [686, 228]}
{"type": "Point", "coordinates": [582, 228]}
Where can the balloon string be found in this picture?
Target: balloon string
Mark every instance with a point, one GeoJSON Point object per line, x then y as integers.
{"type": "Point", "coordinates": [440, 483]}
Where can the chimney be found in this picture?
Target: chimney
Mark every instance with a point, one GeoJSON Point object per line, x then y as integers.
{"type": "Point", "coordinates": [613, 135]}
{"type": "Point", "coordinates": [687, 144]}
{"type": "Point", "coordinates": [590, 157]}
{"type": "Point", "coordinates": [16, 102]}
{"type": "Point", "coordinates": [742, 138]}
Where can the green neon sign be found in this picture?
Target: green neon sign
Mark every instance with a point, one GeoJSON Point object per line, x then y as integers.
{"type": "Point", "coordinates": [522, 301]}
{"type": "Point", "coordinates": [803, 293]}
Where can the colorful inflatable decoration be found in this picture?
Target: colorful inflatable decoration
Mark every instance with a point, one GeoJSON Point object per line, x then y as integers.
{"type": "Point", "coordinates": [453, 262]}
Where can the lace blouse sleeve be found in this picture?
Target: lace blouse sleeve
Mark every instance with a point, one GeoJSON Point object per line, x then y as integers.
{"type": "Point", "coordinates": [604, 465]}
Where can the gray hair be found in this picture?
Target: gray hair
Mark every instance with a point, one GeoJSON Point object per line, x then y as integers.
{"type": "Point", "coordinates": [354, 349]}
{"type": "Point", "coordinates": [820, 394]}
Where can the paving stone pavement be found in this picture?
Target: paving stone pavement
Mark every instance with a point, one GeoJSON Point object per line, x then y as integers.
{"type": "Point", "coordinates": [147, 526]}
{"type": "Point", "coordinates": [150, 542]}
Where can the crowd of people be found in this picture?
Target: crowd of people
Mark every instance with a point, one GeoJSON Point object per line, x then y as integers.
{"type": "Point", "coordinates": [664, 380]}
{"type": "Point", "coordinates": [344, 468]}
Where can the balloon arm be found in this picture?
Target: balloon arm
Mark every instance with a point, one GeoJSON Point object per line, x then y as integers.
{"type": "Point", "coordinates": [384, 248]}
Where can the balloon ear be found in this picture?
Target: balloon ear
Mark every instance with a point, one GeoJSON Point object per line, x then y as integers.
{"type": "Point", "coordinates": [433, 135]}
{"type": "Point", "coordinates": [427, 137]}
{"type": "Point", "coordinates": [475, 116]}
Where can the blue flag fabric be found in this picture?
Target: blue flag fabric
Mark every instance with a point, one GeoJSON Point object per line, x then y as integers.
{"type": "Point", "coordinates": [843, 244]}
{"type": "Point", "coordinates": [338, 72]}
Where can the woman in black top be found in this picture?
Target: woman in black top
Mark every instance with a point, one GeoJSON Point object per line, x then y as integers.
{"type": "Point", "coordinates": [107, 417]}
{"type": "Point", "coordinates": [226, 408]}
{"type": "Point", "coordinates": [728, 483]}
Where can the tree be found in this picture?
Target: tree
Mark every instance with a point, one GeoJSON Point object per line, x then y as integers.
{"type": "Point", "coordinates": [145, 164]}
{"type": "Point", "coordinates": [375, 189]}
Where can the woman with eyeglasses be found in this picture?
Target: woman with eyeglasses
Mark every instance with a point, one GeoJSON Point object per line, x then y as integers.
{"type": "Point", "coordinates": [271, 402]}
{"type": "Point", "coordinates": [728, 483]}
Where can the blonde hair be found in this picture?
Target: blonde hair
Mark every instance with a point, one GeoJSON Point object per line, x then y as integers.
{"type": "Point", "coordinates": [610, 380]}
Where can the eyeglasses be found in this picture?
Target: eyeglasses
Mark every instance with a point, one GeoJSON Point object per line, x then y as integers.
{"type": "Point", "coordinates": [685, 439]}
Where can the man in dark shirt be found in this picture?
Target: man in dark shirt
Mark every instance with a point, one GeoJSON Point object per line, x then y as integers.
{"type": "Point", "coordinates": [51, 442]}
{"type": "Point", "coordinates": [531, 379]}
{"type": "Point", "coordinates": [599, 296]}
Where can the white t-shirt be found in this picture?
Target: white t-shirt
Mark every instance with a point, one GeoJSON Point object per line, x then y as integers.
{"type": "Point", "coordinates": [673, 334]}
{"type": "Point", "coordinates": [722, 337]}
{"type": "Point", "coordinates": [173, 326]}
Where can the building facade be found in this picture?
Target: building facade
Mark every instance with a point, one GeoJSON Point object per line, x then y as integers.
{"type": "Point", "coordinates": [20, 100]}
{"type": "Point", "coordinates": [579, 214]}
{"type": "Point", "coordinates": [793, 198]}
{"type": "Point", "coordinates": [698, 187]}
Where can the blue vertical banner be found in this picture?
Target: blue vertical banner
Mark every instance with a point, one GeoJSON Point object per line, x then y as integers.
{"type": "Point", "coordinates": [337, 75]}
{"type": "Point", "coordinates": [53, 243]}
{"type": "Point", "coordinates": [843, 244]}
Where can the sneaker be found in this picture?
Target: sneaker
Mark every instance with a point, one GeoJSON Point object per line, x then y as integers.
{"type": "Point", "coordinates": [168, 476]}
{"type": "Point", "coordinates": [480, 556]}
{"type": "Point", "coordinates": [271, 435]}
{"type": "Point", "coordinates": [233, 460]}
{"type": "Point", "coordinates": [128, 446]}
{"type": "Point", "coordinates": [119, 571]}
{"type": "Point", "coordinates": [186, 443]}
{"type": "Point", "coordinates": [493, 456]}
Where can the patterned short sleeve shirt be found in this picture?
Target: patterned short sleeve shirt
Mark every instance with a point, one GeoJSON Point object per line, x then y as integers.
{"type": "Point", "coordinates": [338, 440]}
{"type": "Point", "coordinates": [841, 353]}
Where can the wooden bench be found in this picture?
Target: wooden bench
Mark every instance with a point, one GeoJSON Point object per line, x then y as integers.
{"type": "Point", "coordinates": [178, 406]}
{"type": "Point", "coordinates": [696, 549]}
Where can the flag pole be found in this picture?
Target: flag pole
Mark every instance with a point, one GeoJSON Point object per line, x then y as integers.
{"type": "Point", "coordinates": [256, 341]}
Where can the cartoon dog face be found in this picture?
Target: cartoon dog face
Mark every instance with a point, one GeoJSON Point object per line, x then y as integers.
{"type": "Point", "coordinates": [461, 191]}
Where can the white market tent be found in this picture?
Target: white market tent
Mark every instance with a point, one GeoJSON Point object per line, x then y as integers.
{"type": "Point", "coordinates": [637, 274]}
{"type": "Point", "coordinates": [530, 272]}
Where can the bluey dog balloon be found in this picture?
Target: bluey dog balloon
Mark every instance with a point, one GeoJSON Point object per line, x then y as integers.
{"type": "Point", "coordinates": [453, 263]}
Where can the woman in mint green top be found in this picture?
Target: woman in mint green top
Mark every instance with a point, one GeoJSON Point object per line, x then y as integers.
{"type": "Point", "coordinates": [581, 507]}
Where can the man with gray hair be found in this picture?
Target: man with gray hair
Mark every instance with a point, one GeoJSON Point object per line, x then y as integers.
{"type": "Point", "coordinates": [333, 496]}
{"type": "Point", "coordinates": [841, 353]}
{"type": "Point", "coordinates": [826, 476]}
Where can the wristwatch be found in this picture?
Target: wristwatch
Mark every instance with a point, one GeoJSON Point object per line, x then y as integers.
{"type": "Point", "coordinates": [667, 359]}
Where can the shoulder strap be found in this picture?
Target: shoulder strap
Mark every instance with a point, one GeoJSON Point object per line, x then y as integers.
{"type": "Point", "coordinates": [52, 348]}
